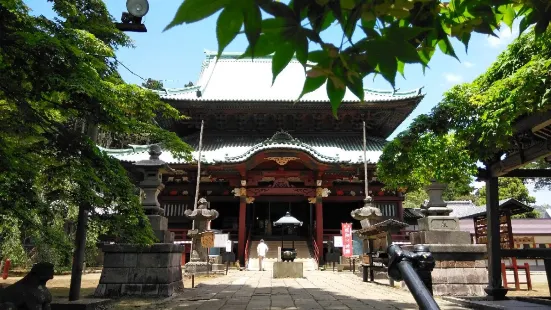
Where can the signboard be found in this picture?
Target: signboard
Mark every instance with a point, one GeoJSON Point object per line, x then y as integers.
{"type": "Point", "coordinates": [207, 239]}
{"type": "Point", "coordinates": [337, 241]}
{"type": "Point", "coordinates": [220, 240]}
{"type": "Point", "coordinates": [346, 239]}
{"type": "Point", "coordinates": [229, 244]}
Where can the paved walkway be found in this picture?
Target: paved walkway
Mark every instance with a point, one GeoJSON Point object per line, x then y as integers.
{"type": "Point", "coordinates": [318, 290]}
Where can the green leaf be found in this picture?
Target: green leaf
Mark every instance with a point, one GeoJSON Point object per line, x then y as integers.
{"type": "Point", "coordinates": [446, 47]}
{"type": "Point", "coordinates": [318, 56]}
{"type": "Point", "coordinates": [265, 46]}
{"type": "Point", "coordinates": [405, 52]}
{"type": "Point", "coordinates": [311, 84]}
{"type": "Point", "coordinates": [195, 10]}
{"type": "Point", "coordinates": [277, 9]}
{"type": "Point", "coordinates": [301, 47]}
{"type": "Point", "coordinates": [227, 26]}
{"type": "Point", "coordinates": [508, 15]}
{"type": "Point", "coordinates": [401, 67]}
{"type": "Point", "coordinates": [253, 22]}
{"type": "Point", "coordinates": [335, 94]}
{"type": "Point", "coordinates": [283, 55]}
{"type": "Point", "coordinates": [356, 85]}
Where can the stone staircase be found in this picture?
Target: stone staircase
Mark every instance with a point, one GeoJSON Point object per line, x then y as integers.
{"type": "Point", "coordinates": [303, 255]}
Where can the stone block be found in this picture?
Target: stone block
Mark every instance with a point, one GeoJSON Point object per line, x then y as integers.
{"type": "Point", "coordinates": [458, 290]}
{"type": "Point", "coordinates": [113, 290]}
{"type": "Point", "coordinates": [114, 275]}
{"type": "Point", "coordinates": [136, 275]}
{"type": "Point", "coordinates": [130, 260]}
{"type": "Point", "coordinates": [476, 275]}
{"type": "Point", "coordinates": [132, 248]}
{"type": "Point", "coordinates": [113, 260]}
{"type": "Point", "coordinates": [441, 237]}
{"type": "Point", "coordinates": [170, 289]}
{"type": "Point", "coordinates": [465, 264]}
{"type": "Point", "coordinates": [131, 289]}
{"type": "Point", "coordinates": [81, 304]}
{"type": "Point", "coordinates": [156, 260]}
{"type": "Point", "coordinates": [175, 259]}
{"type": "Point", "coordinates": [150, 289]}
{"type": "Point", "coordinates": [158, 222]}
{"type": "Point", "coordinates": [288, 270]}
{"type": "Point", "coordinates": [438, 223]}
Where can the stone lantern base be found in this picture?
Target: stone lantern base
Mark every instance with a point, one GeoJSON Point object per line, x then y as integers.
{"type": "Point", "coordinates": [137, 270]}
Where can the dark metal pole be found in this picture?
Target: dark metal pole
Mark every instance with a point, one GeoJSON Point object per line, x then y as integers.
{"type": "Point", "coordinates": [80, 237]}
{"type": "Point", "coordinates": [401, 267]}
{"type": "Point", "coordinates": [421, 294]}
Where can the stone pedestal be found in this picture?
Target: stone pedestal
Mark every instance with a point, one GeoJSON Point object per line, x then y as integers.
{"type": "Point", "coordinates": [460, 266]}
{"type": "Point", "coordinates": [288, 270]}
{"type": "Point", "coordinates": [136, 270]}
{"type": "Point", "coordinates": [460, 269]}
{"type": "Point", "coordinates": [159, 224]}
{"type": "Point", "coordinates": [440, 237]}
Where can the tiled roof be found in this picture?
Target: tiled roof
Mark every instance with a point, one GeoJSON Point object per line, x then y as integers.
{"type": "Point", "coordinates": [411, 213]}
{"type": "Point", "coordinates": [467, 209]}
{"type": "Point", "coordinates": [222, 148]}
{"type": "Point", "coordinates": [232, 79]}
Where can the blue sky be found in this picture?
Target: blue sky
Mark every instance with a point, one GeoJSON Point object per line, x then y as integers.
{"type": "Point", "coordinates": [175, 56]}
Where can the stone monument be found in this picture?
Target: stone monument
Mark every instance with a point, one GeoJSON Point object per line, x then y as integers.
{"type": "Point", "coordinates": [201, 216]}
{"type": "Point", "coordinates": [155, 270]}
{"type": "Point", "coordinates": [460, 266]}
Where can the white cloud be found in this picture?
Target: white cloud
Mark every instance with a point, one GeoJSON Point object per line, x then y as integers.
{"type": "Point", "coordinates": [505, 36]}
{"type": "Point", "coordinates": [453, 78]}
{"type": "Point", "coordinates": [468, 64]}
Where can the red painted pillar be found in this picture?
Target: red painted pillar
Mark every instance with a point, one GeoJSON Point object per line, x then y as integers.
{"type": "Point", "coordinates": [400, 211]}
{"type": "Point", "coordinates": [242, 230]}
{"type": "Point", "coordinates": [319, 225]}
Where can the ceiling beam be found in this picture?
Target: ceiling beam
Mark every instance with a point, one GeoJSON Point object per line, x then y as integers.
{"type": "Point", "coordinates": [518, 173]}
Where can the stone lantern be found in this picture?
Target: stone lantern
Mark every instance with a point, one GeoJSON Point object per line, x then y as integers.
{"type": "Point", "coordinates": [200, 216]}
{"type": "Point", "coordinates": [368, 215]}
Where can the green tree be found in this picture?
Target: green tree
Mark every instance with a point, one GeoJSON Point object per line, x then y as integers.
{"type": "Point", "coordinates": [474, 121]}
{"type": "Point", "coordinates": [58, 84]}
{"type": "Point", "coordinates": [511, 188]}
{"type": "Point", "coordinates": [377, 36]}
{"type": "Point", "coordinates": [153, 84]}
{"type": "Point", "coordinates": [508, 188]}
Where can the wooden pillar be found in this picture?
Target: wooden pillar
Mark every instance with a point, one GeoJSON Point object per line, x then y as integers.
{"type": "Point", "coordinates": [495, 288]}
{"type": "Point", "coordinates": [242, 231]}
{"type": "Point", "coordinates": [319, 225]}
{"type": "Point", "coordinates": [311, 218]}
{"type": "Point", "coordinates": [400, 211]}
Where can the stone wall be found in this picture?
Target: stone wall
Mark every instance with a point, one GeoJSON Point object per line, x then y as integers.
{"type": "Point", "coordinates": [135, 270]}
{"type": "Point", "coordinates": [460, 278]}
{"type": "Point", "coordinates": [461, 269]}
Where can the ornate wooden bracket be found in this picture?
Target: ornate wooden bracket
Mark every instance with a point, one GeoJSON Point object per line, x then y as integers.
{"type": "Point", "coordinates": [282, 161]}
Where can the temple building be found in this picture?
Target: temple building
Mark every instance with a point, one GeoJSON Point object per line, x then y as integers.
{"type": "Point", "coordinates": [263, 154]}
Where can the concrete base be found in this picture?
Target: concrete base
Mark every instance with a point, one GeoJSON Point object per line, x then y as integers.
{"type": "Point", "coordinates": [82, 304]}
{"type": "Point", "coordinates": [145, 271]}
{"type": "Point", "coordinates": [440, 237]}
{"type": "Point", "coordinates": [460, 269]}
{"type": "Point", "coordinates": [288, 270]}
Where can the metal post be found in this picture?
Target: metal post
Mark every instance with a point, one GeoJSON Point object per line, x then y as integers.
{"type": "Point", "coordinates": [198, 181]}
{"type": "Point", "coordinates": [401, 267]}
{"type": "Point", "coordinates": [421, 294]}
{"type": "Point", "coordinates": [353, 265]}
{"type": "Point", "coordinates": [192, 281]}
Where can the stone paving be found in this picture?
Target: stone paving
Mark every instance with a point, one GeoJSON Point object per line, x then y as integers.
{"type": "Point", "coordinates": [317, 290]}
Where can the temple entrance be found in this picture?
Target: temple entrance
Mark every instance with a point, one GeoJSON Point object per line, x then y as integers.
{"type": "Point", "coordinates": [265, 213]}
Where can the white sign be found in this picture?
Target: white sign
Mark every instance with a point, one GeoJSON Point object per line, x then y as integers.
{"type": "Point", "coordinates": [229, 246]}
{"type": "Point", "coordinates": [220, 240]}
{"type": "Point", "coordinates": [337, 241]}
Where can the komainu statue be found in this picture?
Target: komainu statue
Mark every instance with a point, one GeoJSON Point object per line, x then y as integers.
{"type": "Point", "coordinates": [29, 292]}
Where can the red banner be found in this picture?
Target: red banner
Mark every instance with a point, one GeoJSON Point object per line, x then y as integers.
{"type": "Point", "coordinates": [346, 239]}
